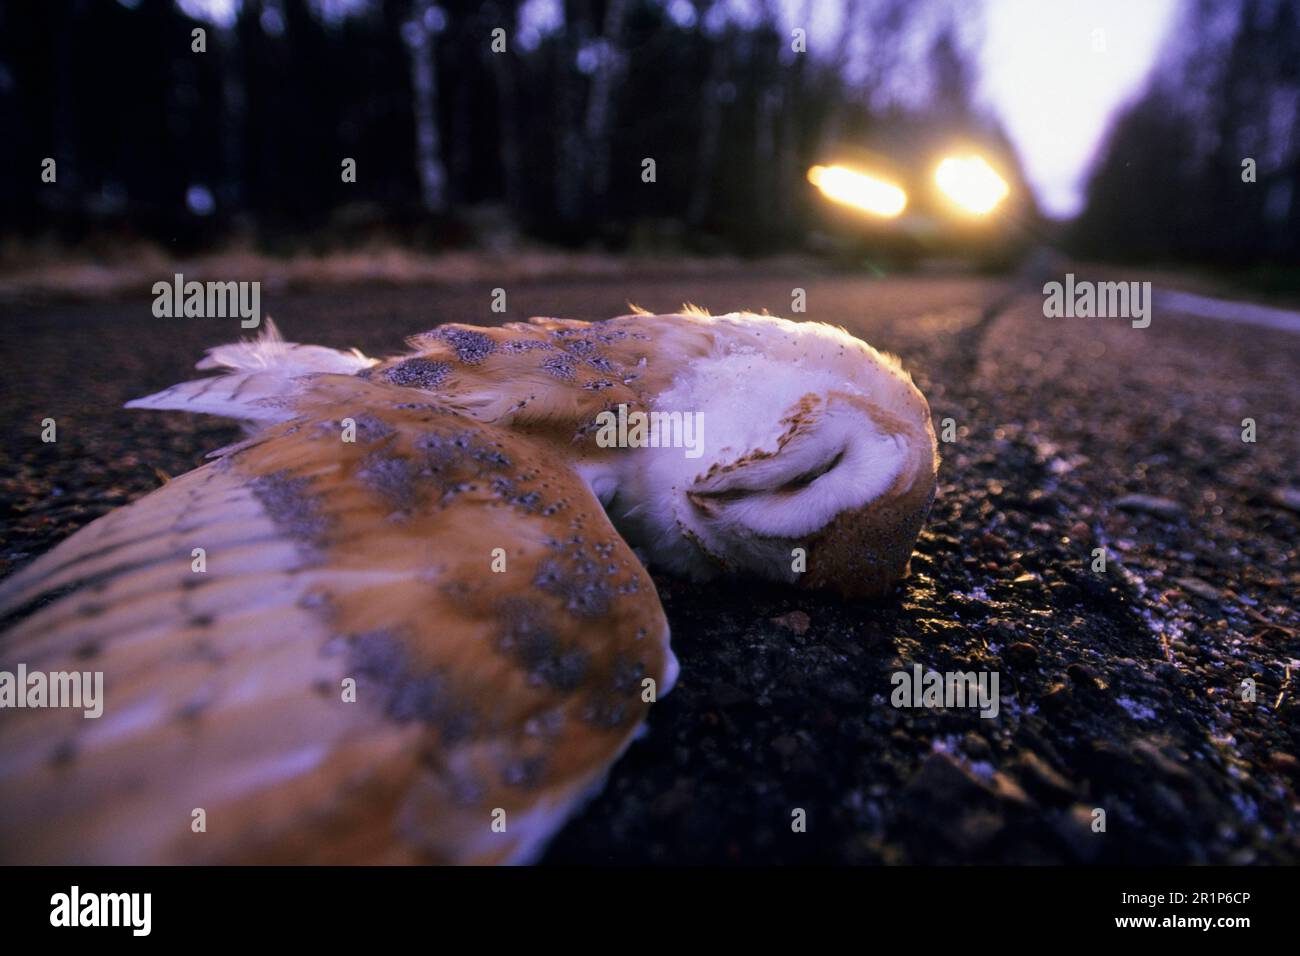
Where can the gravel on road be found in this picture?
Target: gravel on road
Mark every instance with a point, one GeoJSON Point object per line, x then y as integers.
{"type": "Point", "coordinates": [1125, 691]}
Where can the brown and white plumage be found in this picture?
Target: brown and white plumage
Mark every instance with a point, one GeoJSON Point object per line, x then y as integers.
{"type": "Point", "coordinates": [478, 690]}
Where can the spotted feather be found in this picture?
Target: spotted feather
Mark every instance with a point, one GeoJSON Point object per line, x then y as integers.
{"type": "Point", "coordinates": [487, 703]}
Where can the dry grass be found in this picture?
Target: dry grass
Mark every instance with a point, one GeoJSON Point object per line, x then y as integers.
{"type": "Point", "coordinates": [40, 273]}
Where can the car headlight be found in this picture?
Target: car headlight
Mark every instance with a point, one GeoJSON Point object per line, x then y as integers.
{"type": "Point", "coordinates": [859, 190]}
{"type": "Point", "coordinates": [971, 183]}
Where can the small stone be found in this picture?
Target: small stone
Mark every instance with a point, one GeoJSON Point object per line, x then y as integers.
{"type": "Point", "coordinates": [1285, 763]}
{"type": "Point", "coordinates": [1169, 673]}
{"type": "Point", "coordinates": [1055, 699]}
{"type": "Point", "coordinates": [1075, 827]}
{"type": "Point", "coordinates": [1064, 592]}
{"type": "Point", "coordinates": [942, 782]}
{"type": "Point", "coordinates": [1042, 781]}
{"type": "Point", "coordinates": [1083, 677]}
{"type": "Point", "coordinates": [1004, 630]}
{"type": "Point", "coordinates": [1021, 654]}
{"type": "Point", "coordinates": [1199, 588]}
{"type": "Point", "coordinates": [1154, 758]}
{"type": "Point", "coordinates": [796, 621]}
{"type": "Point", "coordinates": [1288, 498]}
{"type": "Point", "coordinates": [1150, 504]}
{"type": "Point", "coordinates": [978, 829]}
{"type": "Point", "coordinates": [1007, 789]}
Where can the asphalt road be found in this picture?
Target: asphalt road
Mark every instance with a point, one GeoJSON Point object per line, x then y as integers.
{"type": "Point", "coordinates": [1122, 691]}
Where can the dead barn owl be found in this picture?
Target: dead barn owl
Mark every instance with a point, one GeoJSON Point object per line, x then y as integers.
{"type": "Point", "coordinates": [493, 688]}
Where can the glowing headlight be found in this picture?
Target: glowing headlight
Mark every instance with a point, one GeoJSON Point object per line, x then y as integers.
{"type": "Point", "coordinates": [843, 185]}
{"type": "Point", "coordinates": [971, 183]}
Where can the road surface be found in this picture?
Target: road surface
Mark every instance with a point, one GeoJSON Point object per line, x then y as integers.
{"type": "Point", "coordinates": [1122, 690]}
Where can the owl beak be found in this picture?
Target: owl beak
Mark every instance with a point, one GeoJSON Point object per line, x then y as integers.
{"type": "Point", "coordinates": [706, 504]}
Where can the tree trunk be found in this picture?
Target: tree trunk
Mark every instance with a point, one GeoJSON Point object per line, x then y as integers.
{"type": "Point", "coordinates": [603, 81]}
{"type": "Point", "coordinates": [424, 90]}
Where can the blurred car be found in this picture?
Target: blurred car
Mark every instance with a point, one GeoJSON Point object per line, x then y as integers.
{"type": "Point", "coordinates": [905, 198]}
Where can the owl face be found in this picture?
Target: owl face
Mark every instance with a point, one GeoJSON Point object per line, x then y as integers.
{"type": "Point", "coordinates": [836, 506]}
{"type": "Point", "coordinates": [818, 466]}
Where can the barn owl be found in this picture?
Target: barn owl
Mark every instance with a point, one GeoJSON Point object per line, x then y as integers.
{"type": "Point", "coordinates": [406, 619]}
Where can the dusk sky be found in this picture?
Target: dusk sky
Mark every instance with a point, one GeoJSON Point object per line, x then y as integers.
{"type": "Point", "coordinates": [1054, 92]}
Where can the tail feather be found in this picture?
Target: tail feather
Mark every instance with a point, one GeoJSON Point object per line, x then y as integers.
{"type": "Point", "coordinates": [260, 376]}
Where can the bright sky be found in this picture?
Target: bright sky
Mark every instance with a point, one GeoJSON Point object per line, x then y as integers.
{"type": "Point", "coordinates": [1055, 92]}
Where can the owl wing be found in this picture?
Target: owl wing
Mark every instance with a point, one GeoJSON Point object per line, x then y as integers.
{"type": "Point", "coordinates": [547, 378]}
{"type": "Point", "coordinates": [550, 378]}
{"type": "Point", "coordinates": [426, 644]}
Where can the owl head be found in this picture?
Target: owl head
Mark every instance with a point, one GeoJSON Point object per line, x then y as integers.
{"type": "Point", "coordinates": [817, 462]}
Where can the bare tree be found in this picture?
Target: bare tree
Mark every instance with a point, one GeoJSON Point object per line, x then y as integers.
{"type": "Point", "coordinates": [710, 135]}
{"type": "Point", "coordinates": [609, 65]}
{"type": "Point", "coordinates": [418, 34]}
{"type": "Point", "coordinates": [503, 76]}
